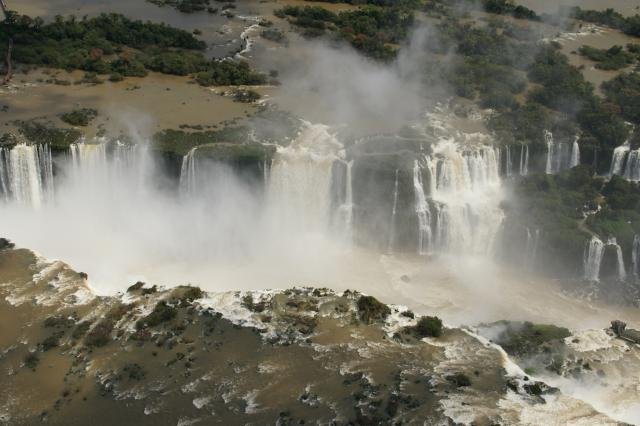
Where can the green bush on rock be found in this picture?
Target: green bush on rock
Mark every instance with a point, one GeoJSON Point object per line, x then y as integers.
{"type": "Point", "coordinates": [370, 310]}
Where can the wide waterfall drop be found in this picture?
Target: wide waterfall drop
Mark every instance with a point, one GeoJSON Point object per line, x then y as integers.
{"type": "Point", "coordinates": [559, 156]}
{"type": "Point", "coordinates": [509, 162]}
{"type": "Point", "coordinates": [622, 273]}
{"type": "Point", "coordinates": [465, 193]}
{"type": "Point", "coordinates": [635, 257]}
{"type": "Point", "coordinates": [26, 174]}
{"type": "Point", "coordinates": [524, 160]}
{"type": "Point", "coordinates": [394, 211]}
{"type": "Point", "coordinates": [89, 156]}
{"type": "Point", "coordinates": [188, 173]}
{"type": "Point", "coordinates": [593, 259]}
{"type": "Point", "coordinates": [617, 160]}
{"type": "Point", "coordinates": [575, 154]}
{"type": "Point", "coordinates": [423, 212]}
{"type": "Point", "coordinates": [299, 188]}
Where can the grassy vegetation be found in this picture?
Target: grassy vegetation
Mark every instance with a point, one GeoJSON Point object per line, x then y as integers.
{"type": "Point", "coordinates": [236, 153]}
{"type": "Point", "coordinates": [180, 142]}
{"type": "Point", "coordinates": [614, 58]}
{"type": "Point", "coordinates": [426, 327]}
{"type": "Point", "coordinates": [79, 117]}
{"type": "Point", "coordinates": [186, 6]}
{"type": "Point", "coordinates": [58, 139]}
{"type": "Point", "coordinates": [274, 34]}
{"type": "Point", "coordinates": [522, 339]}
{"type": "Point", "coordinates": [229, 73]}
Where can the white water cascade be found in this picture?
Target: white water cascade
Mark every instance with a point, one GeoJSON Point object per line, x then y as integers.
{"type": "Point", "coordinates": [632, 168]}
{"type": "Point", "coordinates": [394, 211]}
{"type": "Point", "coordinates": [635, 256]}
{"type": "Point", "coordinates": [622, 273]}
{"type": "Point", "coordinates": [625, 162]}
{"type": "Point", "coordinates": [345, 210]}
{"type": "Point", "coordinates": [593, 259]}
{"type": "Point", "coordinates": [559, 156]}
{"type": "Point", "coordinates": [524, 160]}
{"type": "Point", "coordinates": [188, 173]}
{"type": "Point", "coordinates": [425, 232]}
{"type": "Point", "coordinates": [617, 160]}
{"type": "Point", "coordinates": [465, 192]}
{"type": "Point", "coordinates": [26, 174]}
{"type": "Point", "coordinates": [299, 188]}
{"type": "Point", "coordinates": [531, 248]}
{"type": "Point", "coordinates": [575, 153]}
{"type": "Point", "coordinates": [509, 162]}
{"type": "Point", "coordinates": [88, 156]}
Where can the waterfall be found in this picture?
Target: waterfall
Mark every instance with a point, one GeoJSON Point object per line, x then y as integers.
{"type": "Point", "coordinates": [392, 225]}
{"type": "Point", "coordinates": [593, 259]}
{"type": "Point", "coordinates": [549, 140]}
{"type": "Point", "coordinates": [632, 168]}
{"type": "Point", "coordinates": [622, 273]}
{"type": "Point", "coordinates": [4, 174]}
{"type": "Point", "coordinates": [422, 210]}
{"type": "Point", "coordinates": [26, 174]}
{"type": "Point", "coordinates": [524, 160]}
{"type": "Point", "coordinates": [575, 154]}
{"type": "Point", "coordinates": [464, 198]}
{"type": "Point", "coordinates": [509, 164]}
{"type": "Point", "coordinates": [625, 162]}
{"type": "Point", "coordinates": [635, 256]}
{"type": "Point", "coordinates": [188, 173]}
{"type": "Point", "coordinates": [531, 248]}
{"type": "Point", "coordinates": [89, 156]}
{"type": "Point", "coordinates": [617, 160]}
{"type": "Point", "coordinates": [345, 211]}
{"type": "Point", "coordinates": [299, 189]}
{"type": "Point", "coordinates": [559, 157]}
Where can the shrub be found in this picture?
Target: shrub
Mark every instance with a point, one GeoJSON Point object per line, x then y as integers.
{"type": "Point", "coordinates": [459, 380]}
{"type": "Point", "coordinates": [521, 339]}
{"type": "Point", "coordinates": [31, 360]}
{"type": "Point", "coordinates": [613, 58]}
{"type": "Point", "coordinates": [81, 329]}
{"type": "Point", "coordinates": [429, 327]}
{"type": "Point", "coordinates": [100, 335]}
{"type": "Point", "coordinates": [161, 313]}
{"type": "Point", "coordinates": [79, 117]}
{"type": "Point", "coordinates": [371, 310]}
{"type": "Point", "coordinates": [116, 77]}
{"type": "Point", "coordinates": [245, 96]}
{"type": "Point", "coordinates": [135, 287]}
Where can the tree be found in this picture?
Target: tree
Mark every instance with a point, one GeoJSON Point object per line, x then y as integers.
{"type": "Point", "coordinates": [8, 17]}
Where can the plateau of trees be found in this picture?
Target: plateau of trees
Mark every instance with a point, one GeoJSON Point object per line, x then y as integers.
{"type": "Point", "coordinates": [372, 30]}
{"type": "Point", "coordinates": [113, 44]}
